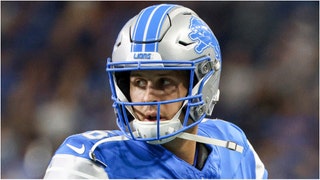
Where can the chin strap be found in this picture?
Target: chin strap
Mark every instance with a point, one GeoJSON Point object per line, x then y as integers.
{"type": "Point", "coordinates": [227, 144]}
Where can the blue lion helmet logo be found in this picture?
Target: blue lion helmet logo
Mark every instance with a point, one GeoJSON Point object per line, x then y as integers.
{"type": "Point", "coordinates": [201, 33]}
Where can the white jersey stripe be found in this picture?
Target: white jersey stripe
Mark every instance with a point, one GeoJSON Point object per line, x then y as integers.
{"type": "Point", "coordinates": [70, 166]}
{"type": "Point", "coordinates": [61, 170]}
{"type": "Point", "coordinates": [260, 169]}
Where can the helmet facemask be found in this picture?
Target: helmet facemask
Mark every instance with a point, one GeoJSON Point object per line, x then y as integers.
{"type": "Point", "coordinates": [195, 105]}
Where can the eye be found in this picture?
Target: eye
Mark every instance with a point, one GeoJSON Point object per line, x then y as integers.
{"type": "Point", "coordinates": [165, 82]}
{"type": "Point", "coordinates": [140, 82]}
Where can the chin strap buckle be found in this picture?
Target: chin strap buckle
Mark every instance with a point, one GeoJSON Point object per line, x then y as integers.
{"type": "Point", "coordinates": [232, 145]}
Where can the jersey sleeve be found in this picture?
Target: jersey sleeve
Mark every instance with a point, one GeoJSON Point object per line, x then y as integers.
{"type": "Point", "coordinates": [72, 167]}
{"type": "Point", "coordinates": [250, 165]}
{"type": "Point", "coordinates": [72, 159]}
{"type": "Point", "coordinates": [232, 164]}
{"type": "Point", "coordinates": [260, 170]}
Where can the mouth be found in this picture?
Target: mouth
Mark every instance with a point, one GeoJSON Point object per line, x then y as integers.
{"type": "Point", "coordinates": [150, 116]}
{"type": "Point", "coordinates": [153, 118]}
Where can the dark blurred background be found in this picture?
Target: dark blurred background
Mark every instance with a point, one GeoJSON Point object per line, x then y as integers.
{"type": "Point", "coordinates": [53, 80]}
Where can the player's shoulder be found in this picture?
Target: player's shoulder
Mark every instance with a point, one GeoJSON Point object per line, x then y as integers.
{"type": "Point", "coordinates": [221, 129]}
{"type": "Point", "coordinates": [81, 144]}
{"type": "Point", "coordinates": [230, 161]}
{"type": "Point", "coordinates": [220, 124]}
{"type": "Point", "coordinates": [75, 158]}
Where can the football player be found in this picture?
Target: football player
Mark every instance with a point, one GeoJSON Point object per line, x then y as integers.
{"type": "Point", "coordinates": [164, 77]}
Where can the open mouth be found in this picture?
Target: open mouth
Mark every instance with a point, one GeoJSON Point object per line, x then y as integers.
{"type": "Point", "coordinates": [153, 118]}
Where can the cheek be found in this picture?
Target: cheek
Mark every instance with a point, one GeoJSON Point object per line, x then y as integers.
{"type": "Point", "coordinates": [135, 94]}
{"type": "Point", "coordinates": [172, 108]}
{"type": "Point", "coordinates": [183, 91]}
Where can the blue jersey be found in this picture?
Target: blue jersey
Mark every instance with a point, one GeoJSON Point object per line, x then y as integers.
{"type": "Point", "coordinates": [109, 154]}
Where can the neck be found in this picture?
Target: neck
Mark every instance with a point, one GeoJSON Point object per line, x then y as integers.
{"type": "Point", "coordinates": [184, 149]}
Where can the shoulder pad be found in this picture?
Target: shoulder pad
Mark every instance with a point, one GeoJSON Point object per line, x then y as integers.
{"type": "Point", "coordinates": [80, 144]}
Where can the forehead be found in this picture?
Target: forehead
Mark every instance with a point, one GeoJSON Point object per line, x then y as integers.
{"type": "Point", "coordinates": [153, 73]}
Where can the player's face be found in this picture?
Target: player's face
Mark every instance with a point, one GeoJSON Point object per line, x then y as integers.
{"type": "Point", "coordinates": [153, 86]}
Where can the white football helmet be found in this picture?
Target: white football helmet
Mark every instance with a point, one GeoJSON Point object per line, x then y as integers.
{"type": "Point", "coordinates": [165, 37]}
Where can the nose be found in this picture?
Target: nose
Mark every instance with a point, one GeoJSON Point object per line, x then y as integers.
{"type": "Point", "coordinates": [151, 94]}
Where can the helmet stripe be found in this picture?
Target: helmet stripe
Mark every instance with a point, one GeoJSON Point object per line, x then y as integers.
{"type": "Point", "coordinates": [148, 27]}
{"type": "Point", "coordinates": [141, 23]}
